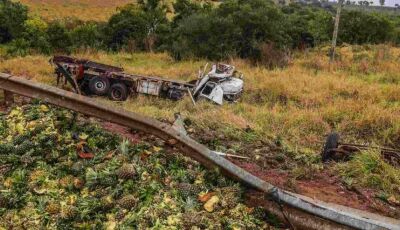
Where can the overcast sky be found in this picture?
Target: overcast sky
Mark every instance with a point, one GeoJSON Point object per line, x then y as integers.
{"type": "Point", "coordinates": [387, 2]}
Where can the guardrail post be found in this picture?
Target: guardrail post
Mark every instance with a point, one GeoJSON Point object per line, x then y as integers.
{"type": "Point", "coordinates": [8, 98]}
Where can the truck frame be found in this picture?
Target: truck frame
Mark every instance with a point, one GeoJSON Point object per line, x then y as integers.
{"type": "Point", "coordinates": [92, 78]}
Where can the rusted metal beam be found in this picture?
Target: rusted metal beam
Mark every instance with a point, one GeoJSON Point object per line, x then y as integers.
{"type": "Point", "coordinates": [333, 215]}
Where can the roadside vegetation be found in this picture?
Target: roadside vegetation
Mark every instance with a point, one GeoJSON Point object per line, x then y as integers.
{"type": "Point", "coordinates": [293, 95]}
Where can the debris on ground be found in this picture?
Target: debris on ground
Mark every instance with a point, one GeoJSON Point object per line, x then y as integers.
{"type": "Point", "coordinates": [49, 178]}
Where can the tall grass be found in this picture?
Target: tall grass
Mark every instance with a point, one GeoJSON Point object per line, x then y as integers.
{"type": "Point", "coordinates": [367, 169]}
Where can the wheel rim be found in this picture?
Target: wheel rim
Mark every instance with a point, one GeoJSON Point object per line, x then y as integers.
{"type": "Point", "coordinates": [116, 94]}
{"type": "Point", "coordinates": [100, 85]}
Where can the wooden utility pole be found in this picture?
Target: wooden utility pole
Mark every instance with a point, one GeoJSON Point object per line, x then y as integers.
{"type": "Point", "coordinates": [336, 29]}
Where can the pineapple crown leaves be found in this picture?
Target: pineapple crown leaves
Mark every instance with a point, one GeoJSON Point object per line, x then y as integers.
{"type": "Point", "coordinates": [124, 147]}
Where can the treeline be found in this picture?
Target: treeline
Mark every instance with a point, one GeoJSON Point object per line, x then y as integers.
{"type": "Point", "coordinates": [257, 30]}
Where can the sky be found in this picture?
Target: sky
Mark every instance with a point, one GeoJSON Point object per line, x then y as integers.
{"type": "Point", "coordinates": [387, 2]}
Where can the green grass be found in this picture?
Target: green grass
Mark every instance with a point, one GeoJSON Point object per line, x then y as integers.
{"type": "Point", "coordinates": [367, 169]}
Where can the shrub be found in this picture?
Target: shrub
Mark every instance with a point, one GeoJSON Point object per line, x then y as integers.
{"type": "Point", "coordinates": [241, 25]}
{"type": "Point", "coordinates": [88, 35]}
{"type": "Point", "coordinates": [59, 37]}
{"type": "Point", "coordinates": [35, 34]}
{"type": "Point", "coordinates": [357, 27]}
{"type": "Point", "coordinates": [137, 24]}
{"type": "Point", "coordinates": [12, 18]}
{"type": "Point", "coordinates": [308, 26]}
{"type": "Point", "coordinates": [18, 47]}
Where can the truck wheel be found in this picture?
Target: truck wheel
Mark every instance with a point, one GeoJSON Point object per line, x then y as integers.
{"type": "Point", "coordinates": [99, 85]}
{"type": "Point", "coordinates": [332, 142]}
{"type": "Point", "coordinates": [175, 94]}
{"type": "Point", "coordinates": [118, 92]}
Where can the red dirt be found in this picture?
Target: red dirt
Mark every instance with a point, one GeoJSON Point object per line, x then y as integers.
{"type": "Point", "coordinates": [325, 187]}
{"type": "Point", "coordinates": [123, 131]}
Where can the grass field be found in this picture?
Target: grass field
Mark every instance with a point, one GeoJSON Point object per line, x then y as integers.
{"type": "Point", "coordinates": [87, 10]}
{"type": "Point", "coordinates": [357, 96]}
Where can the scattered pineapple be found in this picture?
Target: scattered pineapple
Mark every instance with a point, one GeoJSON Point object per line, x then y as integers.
{"type": "Point", "coordinates": [128, 202]}
{"type": "Point", "coordinates": [186, 189]}
{"type": "Point", "coordinates": [44, 182]}
{"type": "Point", "coordinates": [53, 208]}
{"type": "Point", "coordinates": [127, 171]}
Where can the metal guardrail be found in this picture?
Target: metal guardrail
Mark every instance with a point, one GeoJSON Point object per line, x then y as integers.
{"type": "Point", "coordinates": [301, 211]}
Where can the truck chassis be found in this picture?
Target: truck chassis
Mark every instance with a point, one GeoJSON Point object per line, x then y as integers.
{"type": "Point", "coordinates": [92, 78]}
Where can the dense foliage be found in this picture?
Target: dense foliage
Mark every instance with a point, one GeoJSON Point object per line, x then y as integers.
{"type": "Point", "coordinates": [59, 173]}
{"type": "Point", "coordinates": [253, 29]}
{"type": "Point", "coordinates": [12, 18]}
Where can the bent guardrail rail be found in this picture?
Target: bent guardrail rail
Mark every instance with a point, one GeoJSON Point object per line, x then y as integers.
{"type": "Point", "coordinates": [304, 212]}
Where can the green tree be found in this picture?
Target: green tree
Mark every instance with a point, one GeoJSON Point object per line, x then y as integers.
{"type": "Point", "coordinates": [242, 25]}
{"type": "Point", "coordinates": [88, 35]}
{"type": "Point", "coordinates": [359, 27]}
{"type": "Point", "coordinates": [139, 25]}
{"type": "Point", "coordinates": [59, 37]}
{"type": "Point", "coordinates": [12, 18]}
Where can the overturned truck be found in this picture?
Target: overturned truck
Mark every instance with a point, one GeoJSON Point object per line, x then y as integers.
{"type": "Point", "coordinates": [221, 83]}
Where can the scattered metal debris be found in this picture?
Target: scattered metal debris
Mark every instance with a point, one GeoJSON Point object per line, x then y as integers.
{"type": "Point", "coordinates": [223, 82]}
{"type": "Point", "coordinates": [336, 150]}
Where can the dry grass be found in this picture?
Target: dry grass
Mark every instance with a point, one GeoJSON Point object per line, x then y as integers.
{"type": "Point", "coordinates": [96, 10]}
{"type": "Point", "coordinates": [300, 103]}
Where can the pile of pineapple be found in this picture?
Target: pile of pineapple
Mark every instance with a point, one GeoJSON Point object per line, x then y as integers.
{"type": "Point", "coordinates": [57, 172]}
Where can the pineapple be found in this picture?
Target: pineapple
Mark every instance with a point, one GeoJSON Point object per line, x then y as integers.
{"type": "Point", "coordinates": [53, 208]}
{"type": "Point", "coordinates": [128, 202]}
{"type": "Point", "coordinates": [6, 148]}
{"type": "Point", "coordinates": [127, 171]}
{"type": "Point", "coordinates": [78, 183]}
{"type": "Point", "coordinates": [107, 202]}
{"type": "Point", "coordinates": [120, 215]}
{"type": "Point", "coordinates": [78, 168]}
{"type": "Point", "coordinates": [230, 196]}
{"type": "Point", "coordinates": [68, 212]}
{"type": "Point", "coordinates": [3, 201]}
{"type": "Point", "coordinates": [23, 148]}
{"type": "Point", "coordinates": [38, 129]}
{"type": "Point", "coordinates": [26, 159]}
{"type": "Point", "coordinates": [186, 189]}
{"type": "Point", "coordinates": [4, 169]}
{"type": "Point", "coordinates": [66, 182]}
{"type": "Point", "coordinates": [21, 138]}
{"type": "Point", "coordinates": [98, 193]}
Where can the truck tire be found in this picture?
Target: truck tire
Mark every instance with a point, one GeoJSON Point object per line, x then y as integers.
{"type": "Point", "coordinates": [332, 142]}
{"type": "Point", "coordinates": [99, 86]}
{"type": "Point", "coordinates": [175, 94]}
{"type": "Point", "coordinates": [118, 92]}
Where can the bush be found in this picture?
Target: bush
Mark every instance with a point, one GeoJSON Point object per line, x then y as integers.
{"type": "Point", "coordinates": [241, 25]}
{"type": "Point", "coordinates": [36, 34]}
{"type": "Point", "coordinates": [357, 27]}
{"type": "Point", "coordinates": [59, 37]}
{"type": "Point", "coordinates": [308, 26]}
{"type": "Point", "coordinates": [18, 47]}
{"type": "Point", "coordinates": [88, 35]}
{"type": "Point", "coordinates": [12, 18]}
{"type": "Point", "coordinates": [138, 25]}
